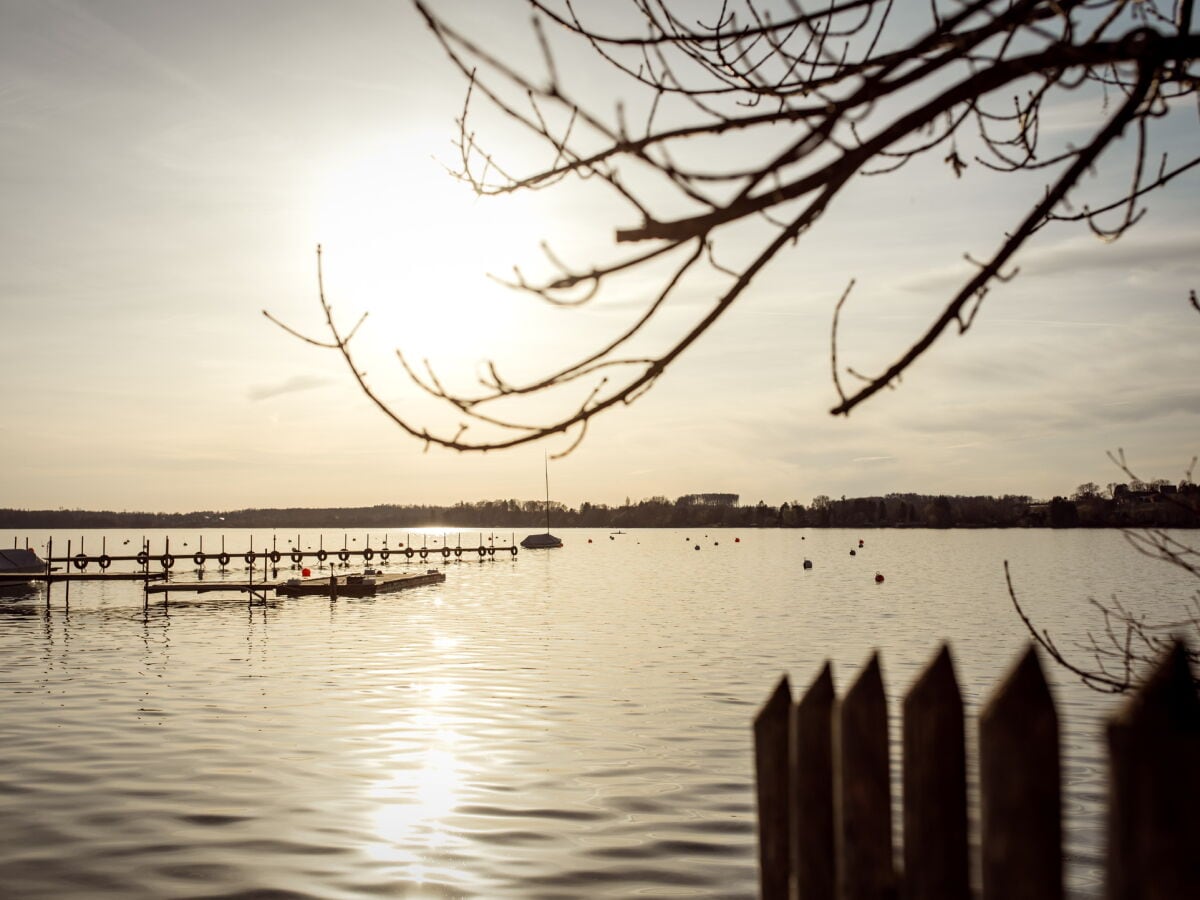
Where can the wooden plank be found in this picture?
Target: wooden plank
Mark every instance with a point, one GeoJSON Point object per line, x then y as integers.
{"type": "Point", "coordinates": [771, 727]}
{"type": "Point", "coordinates": [935, 786]}
{"type": "Point", "coordinates": [309, 587]}
{"type": "Point", "coordinates": [864, 813]}
{"type": "Point", "coordinates": [59, 577]}
{"type": "Point", "coordinates": [813, 867]}
{"type": "Point", "coordinates": [1019, 782]}
{"type": "Point", "coordinates": [1154, 797]}
{"type": "Point", "coordinates": [211, 587]}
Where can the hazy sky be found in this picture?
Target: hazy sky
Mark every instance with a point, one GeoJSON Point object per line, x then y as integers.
{"type": "Point", "coordinates": [167, 169]}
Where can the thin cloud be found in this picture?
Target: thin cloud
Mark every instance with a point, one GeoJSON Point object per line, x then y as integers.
{"type": "Point", "coordinates": [1145, 252]}
{"type": "Point", "coordinates": [293, 385]}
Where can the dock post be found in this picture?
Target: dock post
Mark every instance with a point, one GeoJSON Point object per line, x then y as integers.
{"type": "Point", "coordinates": [333, 587]}
{"type": "Point", "coordinates": [67, 589]}
{"type": "Point", "coordinates": [49, 557]}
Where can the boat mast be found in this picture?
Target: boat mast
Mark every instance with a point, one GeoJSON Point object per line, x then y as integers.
{"type": "Point", "coordinates": [546, 463]}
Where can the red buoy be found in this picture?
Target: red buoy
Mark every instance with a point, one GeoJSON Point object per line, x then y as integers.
{"type": "Point", "coordinates": [306, 572]}
{"type": "Point", "coordinates": [878, 578]}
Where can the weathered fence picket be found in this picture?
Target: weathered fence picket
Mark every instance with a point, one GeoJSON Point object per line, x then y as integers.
{"type": "Point", "coordinates": [772, 743]}
{"type": "Point", "coordinates": [812, 813]}
{"type": "Point", "coordinates": [1020, 801]}
{"type": "Point", "coordinates": [1154, 802]}
{"type": "Point", "coordinates": [863, 805]}
{"type": "Point", "coordinates": [824, 793]}
{"type": "Point", "coordinates": [935, 778]}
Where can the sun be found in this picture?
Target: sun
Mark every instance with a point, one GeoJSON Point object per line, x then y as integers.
{"type": "Point", "coordinates": [406, 242]}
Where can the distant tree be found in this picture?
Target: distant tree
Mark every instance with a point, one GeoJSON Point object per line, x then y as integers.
{"type": "Point", "coordinates": [1063, 513]}
{"type": "Point", "coordinates": [824, 98]}
{"type": "Point", "coordinates": [939, 513]}
{"type": "Point", "coordinates": [1086, 491]}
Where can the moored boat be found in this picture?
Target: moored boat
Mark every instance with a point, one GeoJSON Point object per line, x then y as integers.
{"type": "Point", "coordinates": [545, 541]}
{"type": "Point", "coordinates": [19, 566]}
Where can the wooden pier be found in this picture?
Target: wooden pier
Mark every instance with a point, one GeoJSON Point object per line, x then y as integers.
{"type": "Point", "coordinates": [333, 586]}
{"type": "Point", "coordinates": [72, 577]}
{"type": "Point", "coordinates": [166, 559]}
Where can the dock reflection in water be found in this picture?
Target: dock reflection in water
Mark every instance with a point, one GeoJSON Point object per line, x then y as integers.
{"type": "Point", "coordinates": [564, 725]}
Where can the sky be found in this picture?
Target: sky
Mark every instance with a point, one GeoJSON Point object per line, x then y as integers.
{"type": "Point", "coordinates": [167, 170]}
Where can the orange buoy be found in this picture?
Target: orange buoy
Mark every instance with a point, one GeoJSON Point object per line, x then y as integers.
{"type": "Point", "coordinates": [737, 540]}
{"type": "Point", "coordinates": [878, 578]}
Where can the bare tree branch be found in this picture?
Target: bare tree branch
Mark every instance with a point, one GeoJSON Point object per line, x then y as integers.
{"type": "Point", "coordinates": [843, 91]}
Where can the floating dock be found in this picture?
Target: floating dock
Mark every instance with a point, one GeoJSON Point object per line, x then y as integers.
{"type": "Point", "coordinates": [333, 586]}
{"type": "Point", "coordinates": [354, 586]}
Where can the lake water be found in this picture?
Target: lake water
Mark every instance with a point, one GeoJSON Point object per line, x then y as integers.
{"type": "Point", "coordinates": [570, 723]}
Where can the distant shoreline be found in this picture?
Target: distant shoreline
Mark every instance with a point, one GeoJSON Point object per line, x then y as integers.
{"type": "Point", "coordinates": [1178, 508]}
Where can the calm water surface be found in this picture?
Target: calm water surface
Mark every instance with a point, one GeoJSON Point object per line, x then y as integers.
{"type": "Point", "coordinates": [572, 723]}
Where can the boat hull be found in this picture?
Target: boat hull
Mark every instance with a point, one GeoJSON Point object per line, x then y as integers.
{"type": "Point", "coordinates": [545, 541]}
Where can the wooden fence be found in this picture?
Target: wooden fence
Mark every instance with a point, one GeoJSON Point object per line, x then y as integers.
{"type": "Point", "coordinates": [824, 792]}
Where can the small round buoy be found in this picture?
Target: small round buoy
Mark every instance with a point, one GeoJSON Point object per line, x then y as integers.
{"type": "Point", "coordinates": [589, 540]}
{"type": "Point", "coordinates": [306, 572]}
{"type": "Point", "coordinates": [737, 540]}
{"type": "Point", "coordinates": [860, 542]}
{"type": "Point", "coordinates": [854, 553]}
{"type": "Point", "coordinates": [697, 547]}
{"type": "Point", "coordinates": [716, 543]}
{"type": "Point", "coordinates": [878, 578]}
{"type": "Point", "coordinates": [808, 564]}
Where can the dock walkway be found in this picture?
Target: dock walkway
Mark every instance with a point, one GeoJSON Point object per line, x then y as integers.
{"type": "Point", "coordinates": [333, 586]}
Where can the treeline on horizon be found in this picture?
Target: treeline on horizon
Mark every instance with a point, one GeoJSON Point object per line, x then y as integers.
{"type": "Point", "coordinates": [1086, 508]}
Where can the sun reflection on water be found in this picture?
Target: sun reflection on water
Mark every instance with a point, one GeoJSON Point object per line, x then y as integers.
{"type": "Point", "coordinates": [421, 775]}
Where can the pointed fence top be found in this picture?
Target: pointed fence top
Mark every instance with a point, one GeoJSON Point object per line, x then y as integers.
{"type": "Point", "coordinates": [1025, 684]}
{"type": "Point", "coordinates": [1169, 695]}
{"type": "Point", "coordinates": [777, 707]}
{"type": "Point", "coordinates": [820, 692]}
{"type": "Point", "coordinates": [869, 679]}
{"type": "Point", "coordinates": [936, 681]}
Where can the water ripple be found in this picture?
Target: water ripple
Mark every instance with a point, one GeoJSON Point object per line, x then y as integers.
{"type": "Point", "coordinates": [565, 725]}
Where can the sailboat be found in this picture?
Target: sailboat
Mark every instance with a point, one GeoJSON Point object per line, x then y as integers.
{"type": "Point", "coordinates": [545, 541]}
